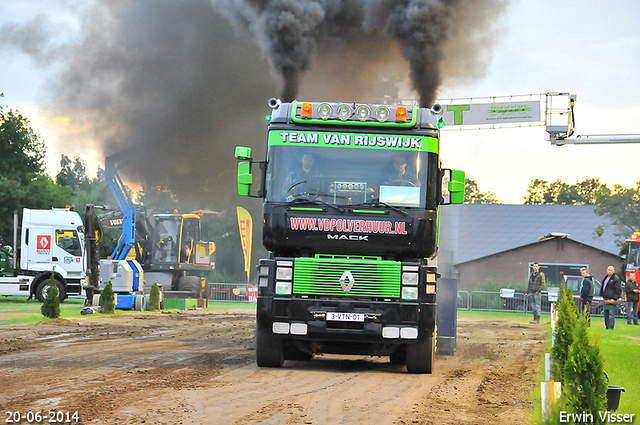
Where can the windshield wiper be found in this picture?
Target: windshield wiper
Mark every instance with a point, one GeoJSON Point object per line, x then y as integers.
{"type": "Point", "coordinates": [383, 204]}
{"type": "Point", "coordinates": [315, 201]}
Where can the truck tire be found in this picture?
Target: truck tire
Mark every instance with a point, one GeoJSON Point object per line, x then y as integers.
{"type": "Point", "coordinates": [269, 350]}
{"type": "Point", "coordinates": [420, 356]}
{"type": "Point", "coordinates": [296, 354]}
{"type": "Point", "coordinates": [398, 357]}
{"type": "Point", "coordinates": [190, 283]}
{"type": "Point", "coordinates": [43, 289]}
{"type": "Point", "coordinates": [139, 303]}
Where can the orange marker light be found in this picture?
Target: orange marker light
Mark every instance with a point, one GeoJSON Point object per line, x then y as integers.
{"type": "Point", "coordinates": [401, 113]}
{"type": "Point", "coordinates": [307, 110]}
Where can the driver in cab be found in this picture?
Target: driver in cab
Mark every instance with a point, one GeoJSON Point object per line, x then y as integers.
{"type": "Point", "coordinates": [400, 175]}
{"type": "Point", "coordinates": [304, 180]}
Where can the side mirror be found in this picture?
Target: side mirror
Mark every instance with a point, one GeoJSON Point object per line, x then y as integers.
{"type": "Point", "coordinates": [455, 189]}
{"type": "Point", "coordinates": [245, 178]}
{"type": "Point", "coordinates": [243, 153]}
{"type": "Point", "coordinates": [457, 186]}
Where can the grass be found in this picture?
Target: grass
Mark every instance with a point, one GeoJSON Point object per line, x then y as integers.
{"type": "Point", "coordinates": [620, 348]}
{"type": "Point", "coordinates": [17, 311]}
{"type": "Point", "coordinates": [506, 315]}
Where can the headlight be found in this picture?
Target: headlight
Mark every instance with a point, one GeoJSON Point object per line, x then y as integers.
{"type": "Point", "coordinates": [410, 278]}
{"type": "Point", "coordinates": [382, 113]}
{"type": "Point", "coordinates": [283, 288]}
{"type": "Point", "coordinates": [344, 111]}
{"type": "Point", "coordinates": [324, 111]}
{"type": "Point", "coordinates": [284, 273]}
{"type": "Point", "coordinates": [409, 293]}
{"type": "Point", "coordinates": [363, 112]}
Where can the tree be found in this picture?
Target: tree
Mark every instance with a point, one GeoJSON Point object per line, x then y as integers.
{"type": "Point", "coordinates": [536, 191]}
{"type": "Point", "coordinates": [585, 192]}
{"type": "Point", "coordinates": [585, 386]}
{"type": "Point", "coordinates": [23, 182]}
{"type": "Point", "coordinates": [51, 305]}
{"type": "Point", "coordinates": [154, 298]}
{"type": "Point", "coordinates": [107, 299]}
{"type": "Point", "coordinates": [21, 150]}
{"type": "Point", "coordinates": [622, 205]}
{"type": "Point", "coordinates": [590, 189]}
{"type": "Point", "coordinates": [565, 328]}
{"type": "Point", "coordinates": [73, 174]}
{"type": "Point", "coordinates": [472, 194]}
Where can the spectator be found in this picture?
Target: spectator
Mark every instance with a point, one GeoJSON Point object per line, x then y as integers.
{"type": "Point", "coordinates": [632, 291]}
{"type": "Point", "coordinates": [611, 292]}
{"type": "Point", "coordinates": [534, 292]}
{"type": "Point", "coordinates": [586, 293]}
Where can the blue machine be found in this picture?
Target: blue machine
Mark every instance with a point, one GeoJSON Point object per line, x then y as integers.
{"type": "Point", "coordinates": [126, 276]}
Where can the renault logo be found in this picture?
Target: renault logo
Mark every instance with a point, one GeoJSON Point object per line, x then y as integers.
{"type": "Point", "coordinates": [347, 275]}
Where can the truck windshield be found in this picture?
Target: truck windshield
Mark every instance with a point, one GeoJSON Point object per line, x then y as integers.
{"type": "Point", "coordinates": [350, 177]}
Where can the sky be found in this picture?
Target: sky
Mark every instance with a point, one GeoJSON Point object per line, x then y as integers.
{"type": "Point", "coordinates": [589, 48]}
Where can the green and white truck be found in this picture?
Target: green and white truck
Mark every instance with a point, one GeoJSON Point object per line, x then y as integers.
{"type": "Point", "coordinates": [350, 218]}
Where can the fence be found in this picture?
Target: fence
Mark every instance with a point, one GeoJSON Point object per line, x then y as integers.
{"type": "Point", "coordinates": [232, 292]}
{"type": "Point", "coordinates": [476, 300]}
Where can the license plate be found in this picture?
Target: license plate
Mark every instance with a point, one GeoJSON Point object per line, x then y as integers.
{"type": "Point", "coordinates": [345, 317]}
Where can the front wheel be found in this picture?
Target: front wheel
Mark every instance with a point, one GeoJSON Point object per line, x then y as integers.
{"type": "Point", "coordinates": [43, 290]}
{"type": "Point", "coordinates": [269, 350]}
{"type": "Point", "coordinates": [420, 356]}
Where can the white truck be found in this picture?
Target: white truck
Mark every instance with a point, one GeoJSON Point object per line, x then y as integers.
{"type": "Point", "coordinates": [51, 241]}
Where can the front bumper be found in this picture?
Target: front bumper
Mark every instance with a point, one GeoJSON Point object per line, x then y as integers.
{"type": "Point", "coordinates": [385, 322]}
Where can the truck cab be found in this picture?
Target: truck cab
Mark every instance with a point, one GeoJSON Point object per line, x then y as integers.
{"type": "Point", "coordinates": [350, 217]}
{"type": "Point", "coordinates": [52, 241]}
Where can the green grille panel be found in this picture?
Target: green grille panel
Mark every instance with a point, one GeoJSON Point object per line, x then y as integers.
{"type": "Point", "coordinates": [372, 278]}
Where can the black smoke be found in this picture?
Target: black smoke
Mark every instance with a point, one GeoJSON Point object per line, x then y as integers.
{"type": "Point", "coordinates": [292, 33]}
{"type": "Point", "coordinates": [184, 82]}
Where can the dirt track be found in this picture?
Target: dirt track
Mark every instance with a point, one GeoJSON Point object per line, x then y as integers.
{"type": "Point", "coordinates": [198, 367]}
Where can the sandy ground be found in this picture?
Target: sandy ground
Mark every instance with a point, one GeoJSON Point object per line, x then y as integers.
{"type": "Point", "coordinates": [198, 367]}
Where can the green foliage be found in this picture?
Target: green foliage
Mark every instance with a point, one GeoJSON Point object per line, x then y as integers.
{"type": "Point", "coordinates": [586, 192]}
{"type": "Point", "coordinates": [107, 299]}
{"type": "Point", "coordinates": [565, 327]}
{"type": "Point", "coordinates": [472, 194]}
{"type": "Point", "coordinates": [51, 305]}
{"type": "Point", "coordinates": [154, 298]}
{"type": "Point", "coordinates": [492, 285]}
{"type": "Point", "coordinates": [585, 386]}
{"type": "Point", "coordinates": [73, 174]}
{"type": "Point", "coordinates": [21, 150]}
{"type": "Point", "coordinates": [622, 205]}
{"type": "Point", "coordinates": [23, 182]}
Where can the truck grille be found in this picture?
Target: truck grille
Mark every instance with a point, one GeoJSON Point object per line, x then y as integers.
{"type": "Point", "coordinates": [372, 278]}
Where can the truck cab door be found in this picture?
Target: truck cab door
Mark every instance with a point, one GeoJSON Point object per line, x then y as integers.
{"type": "Point", "coordinates": [67, 249]}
